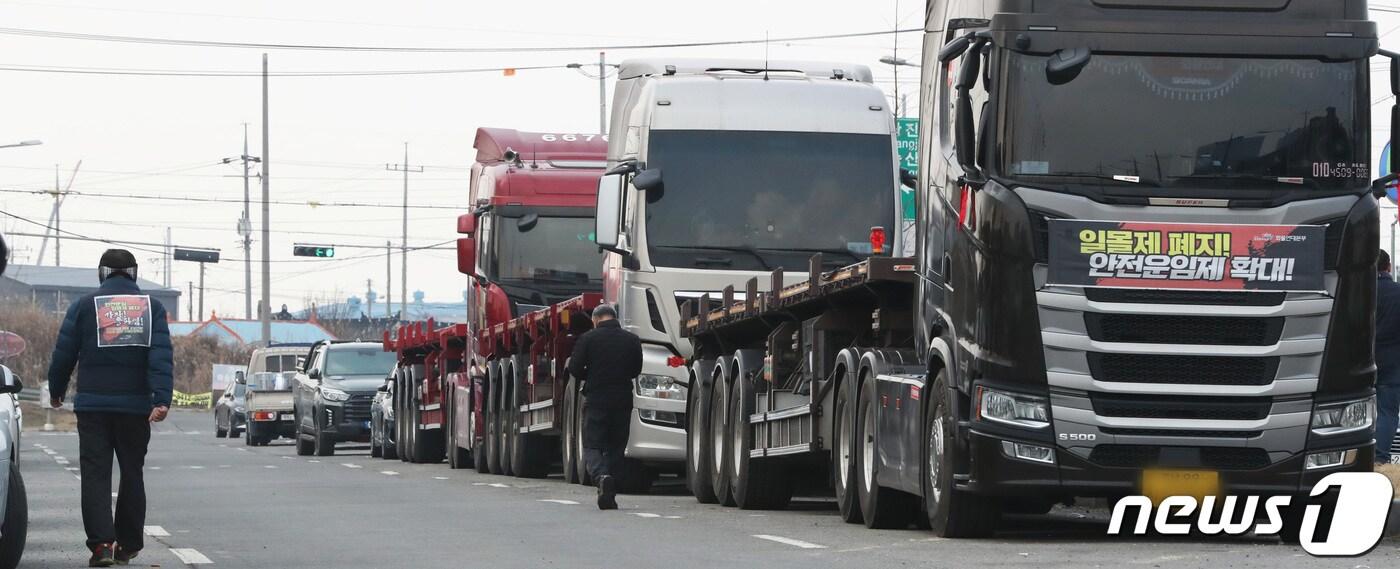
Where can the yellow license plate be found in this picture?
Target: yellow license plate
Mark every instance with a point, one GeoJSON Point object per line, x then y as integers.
{"type": "Point", "coordinates": [1158, 484]}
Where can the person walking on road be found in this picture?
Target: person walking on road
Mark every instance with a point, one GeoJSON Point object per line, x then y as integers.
{"type": "Point", "coordinates": [606, 359]}
{"type": "Point", "coordinates": [1387, 358]}
{"type": "Point", "coordinates": [119, 341]}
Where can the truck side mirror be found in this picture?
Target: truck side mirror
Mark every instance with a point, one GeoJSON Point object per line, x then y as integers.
{"type": "Point", "coordinates": [607, 220]}
{"type": "Point", "coordinates": [527, 222]}
{"type": "Point", "coordinates": [466, 256]}
{"type": "Point", "coordinates": [1379, 187]}
{"type": "Point", "coordinates": [1066, 64]}
{"type": "Point", "coordinates": [240, 377]}
{"type": "Point", "coordinates": [9, 382]}
{"type": "Point", "coordinates": [908, 179]}
{"type": "Point", "coordinates": [964, 133]}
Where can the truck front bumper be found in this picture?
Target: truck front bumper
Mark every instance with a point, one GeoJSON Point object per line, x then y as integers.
{"type": "Point", "coordinates": [994, 472]}
{"type": "Point", "coordinates": [658, 430]}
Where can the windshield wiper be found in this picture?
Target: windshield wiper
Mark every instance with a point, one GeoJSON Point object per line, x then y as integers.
{"type": "Point", "coordinates": [1122, 178]}
{"type": "Point", "coordinates": [831, 251]}
{"type": "Point", "coordinates": [750, 250]}
{"type": "Point", "coordinates": [1304, 182]}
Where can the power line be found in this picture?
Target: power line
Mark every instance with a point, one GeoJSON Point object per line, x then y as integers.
{"type": "Point", "coordinates": [55, 34]}
{"type": "Point", "coordinates": [215, 73]}
{"type": "Point", "coordinates": [230, 200]}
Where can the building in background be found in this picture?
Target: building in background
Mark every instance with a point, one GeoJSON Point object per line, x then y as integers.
{"type": "Point", "coordinates": [55, 288]}
{"type": "Point", "coordinates": [236, 332]}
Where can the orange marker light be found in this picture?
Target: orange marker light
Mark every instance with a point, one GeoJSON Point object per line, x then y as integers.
{"type": "Point", "coordinates": [877, 240]}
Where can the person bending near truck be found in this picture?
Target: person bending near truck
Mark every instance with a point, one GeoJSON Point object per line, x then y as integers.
{"type": "Point", "coordinates": [606, 359]}
{"type": "Point", "coordinates": [119, 341]}
{"type": "Point", "coordinates": [1387, 358]}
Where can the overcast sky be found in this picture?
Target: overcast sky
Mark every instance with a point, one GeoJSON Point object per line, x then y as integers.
{"type": "Point", "coordinates": [331, 136]}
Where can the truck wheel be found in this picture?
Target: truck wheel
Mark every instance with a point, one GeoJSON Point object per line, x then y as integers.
{"type": "Point", "coordinates": [951, 512]}
{"type": "Point", "coordinates": [493, 426]}
{"type": "Point", "coordinates": [884, 508]}
{"type": "Point", "coordinates": [756, 485]}
{"type": "Point", "coordinates": [697, 446]}
{"type": "Point", "coordinates": [843, 463]}
{"type": "Point", "coordinates": [457, 457]}
{"type": "Point", "coordinates": [580, 463]}
{"type": "Point", "coordinates": [16, 525]}
{"type": "Point", "coordinates": [569, 446]}
{"type": "Point", "coordinates": [719, 447]}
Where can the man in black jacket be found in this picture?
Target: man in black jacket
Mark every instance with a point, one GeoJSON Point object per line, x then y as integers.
{"type": "Point", "coordinates": [606, 359]}
{"type": "Point", "coordinates": [1387, 358]}
{"type": "Point", "coordinates": [119, 341]}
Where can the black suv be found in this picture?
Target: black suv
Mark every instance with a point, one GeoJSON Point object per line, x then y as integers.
{"type": "Point", "coordinates": [333, 393]}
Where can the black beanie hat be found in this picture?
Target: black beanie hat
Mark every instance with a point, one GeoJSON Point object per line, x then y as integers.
{"type": "Point", "coordinates": [116, 261]}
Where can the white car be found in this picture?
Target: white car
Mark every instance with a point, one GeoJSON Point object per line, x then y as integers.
{"type": "Point", "coordinates": [14, 507]}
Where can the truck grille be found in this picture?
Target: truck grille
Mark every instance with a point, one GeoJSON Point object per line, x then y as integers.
{"type": "Point", "coordinates": [1173, 329]}
{"type": "Point", "coordinates": [1143, 456]}
{"type": "Point", "coordinates": [1211, 297]}
{"type": "Point", "coordinates": [1168, 407]}
{"type": "Point", "coordinates": [1181, 433]}
{"type": "Point", "coordinates": [357, 408]}
{"type": "Point", "coordinates": [1179, 370]}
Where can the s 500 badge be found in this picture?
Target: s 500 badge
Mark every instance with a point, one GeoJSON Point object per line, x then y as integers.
{"type": "Point", "coordinates": [1077, 437]}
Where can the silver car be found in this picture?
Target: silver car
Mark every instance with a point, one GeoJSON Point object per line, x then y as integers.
{"type": "Point", "coordinates": [14, 507]}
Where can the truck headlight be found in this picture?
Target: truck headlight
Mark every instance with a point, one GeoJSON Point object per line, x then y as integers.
{"type": "Point", "coordinates": [659, 387]}
{"type": "Point", "coordinates": [1012, 409]}
{"type": "Point", "coordinates": [333, 394]}
{"type": "Point", "coordinates": [1346, 417]}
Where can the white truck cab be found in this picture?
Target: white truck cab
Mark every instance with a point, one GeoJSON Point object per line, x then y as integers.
{"type": "Point", "coordinates": [723, 170]}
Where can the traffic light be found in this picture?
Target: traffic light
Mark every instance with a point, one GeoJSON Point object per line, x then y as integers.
{"type": "Point", "coordinates": [313, 251]}
{"type": "Point", "coordinates": [197, 255]}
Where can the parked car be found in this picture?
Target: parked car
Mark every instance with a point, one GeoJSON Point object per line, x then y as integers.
{"type": "Point", "coordinates": [382, 427]}
{"type": "Point", "coordinates": [333, 393]}
{"type": "Point", "coordinates": [230, 412]}
{"type": "Point", "coordinates": [269, 396]}
{"type": "Point", "coordinates": [14, 517]}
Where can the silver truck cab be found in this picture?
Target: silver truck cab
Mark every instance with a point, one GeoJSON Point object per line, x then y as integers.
{"type": "Point", "coordinates": [759, 160]}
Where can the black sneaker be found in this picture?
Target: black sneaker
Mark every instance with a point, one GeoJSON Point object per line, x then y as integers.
{"type": "Point", "coordinates": [124, 556]}
{"type": "Point", "coordinates": [104, 555]}
{"type": "Point", "coordinates": [607, 493]}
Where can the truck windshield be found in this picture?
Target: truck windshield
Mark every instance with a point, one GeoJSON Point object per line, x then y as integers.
{"type": "Point", "coordinates": [367, 361]}
{"type": "Point", "coordinates": [557, 251]}
{"type": "Point", "coordinates": [748, 200]}
{"type": "Point", "coordinates": [1212, 123]}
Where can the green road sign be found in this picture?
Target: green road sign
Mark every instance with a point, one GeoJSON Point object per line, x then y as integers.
{"type": "Point", "coordinates": [907, 138]}
{"type": "Point", "coordinates": [313, 251]}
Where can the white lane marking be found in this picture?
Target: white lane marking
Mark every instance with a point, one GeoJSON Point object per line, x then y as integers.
{"type": "Point", "coordinates": [114, 494]}
{"type": "Point", "coordinates": [50, 451]}
{"type": "Point", "coordinates": [191, 556]}
{"type": "Point", "coordinates": [441, 478]}
{"type": "Point", "coordinates": [645, 515]}
{"type": "Point", "coordinates": [225, 466]}
{"type": "Point", "coordinates": [270, 466]}
{"type": "Point", "coordinates": [498, 485]}
{"type": "Point", "coordinates": [72, 469]}
{"type": "Point", "coordinates": [790, 541]}
{"type": "Point", "coordinates": [37, 445]}
{"type": "Point", "coordinates": [196, 468]}
{"type": "Point", "coordinates": [564, 502]}
{"type": "Point", "coordinates": [388, 473]}
{"type": "Point", "coordinates": [672, 517]}
{"type": "Point", "coordinates": [314, 461]}
{"type": "Point", "coordinates": [478, 483]}
{"type": "Point", "coordinates": [350, 465]}
{"type": "Point", "coordinates": [157, 531]}
{"type": "Point", "coordinates": [289, 458]}
{"type": "Point", "coordinates": [241, 449]}
{"type": "Point", "coordinates": [152, 468]}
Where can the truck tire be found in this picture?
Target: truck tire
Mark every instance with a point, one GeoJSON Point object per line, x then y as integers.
{"type": "Point", "coordinates": [457, 457]}
{"type": "Point", "coordinates": [580, 462]}
{"type": "Point", "coordinates": [843, 455]}
{"type": "Point", "coordinates": [528, 458]}
{"type": "Point", "coordinates": [883, 508]}
{"type": "Point", "coordinates": [757, 485]}
{"type": "Point", "coordinates": [569, 446]}
{"type": "Point", "coordinates": [719, 445]}
{"type": "Point", "coordinates": [951, 512]}
{"type": "Point", "coordinates": [697, 444]}
{"type": "Point", "coordinates": [15, 528]}
{"type": "Point", "coordinates": [493, 424]}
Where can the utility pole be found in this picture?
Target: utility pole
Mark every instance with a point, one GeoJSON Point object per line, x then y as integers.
{"type": "Point", "coordinates": [168, 276]}
{"type": "Point", "coordinates": [403, 245]}
{"type": "Point", "coordinates": [369, 297]}
{"type": "Point", "coordinates": [388, 278]}
{"type": "Point", "coordinates": [245, 226]}
{"type": "Point", "coordinates": [603, 92]}
{"type": "Point", "coordinates": [201, 292]}
{"type": "Point", "coordinates": [189, 305]}
{"type": "Point", "coordinates": [266, 309]}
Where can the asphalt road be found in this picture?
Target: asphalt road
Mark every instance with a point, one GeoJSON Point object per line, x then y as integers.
{"type": "Point", "coordinates": [266, 507]}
